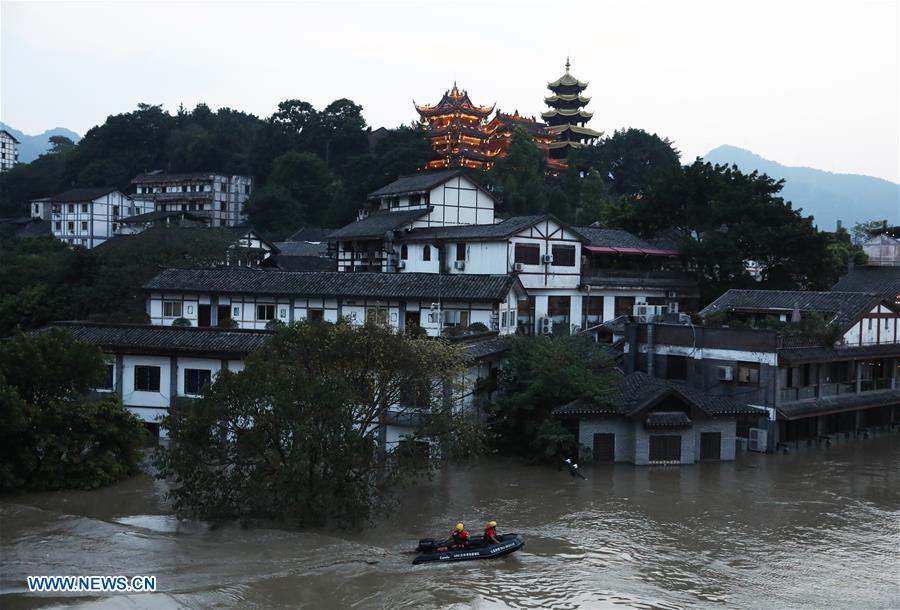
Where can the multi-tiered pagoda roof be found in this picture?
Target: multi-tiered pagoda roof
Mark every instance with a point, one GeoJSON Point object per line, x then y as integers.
{"type": "Point", "coordinates": [567, 117]}
{"type": "Point", "coordinates": [456, 128]}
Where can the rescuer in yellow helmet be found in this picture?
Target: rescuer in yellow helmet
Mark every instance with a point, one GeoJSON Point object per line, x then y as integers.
{"type": "Point", "coordinates": [460, 535]}
{"type": "Point", "coordinates": [490, 533]}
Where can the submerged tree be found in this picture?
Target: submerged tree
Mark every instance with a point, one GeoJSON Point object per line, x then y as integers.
{"type": "Point", "coordinates": [53, 434]}
{"type": "Point", "coordinates": [298, 434]}
{"type": "Point", "coordinates": [544, 373]}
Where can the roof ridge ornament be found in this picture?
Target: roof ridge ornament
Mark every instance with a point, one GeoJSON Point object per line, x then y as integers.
{"type": "Point", "coordinates": [567, 64]}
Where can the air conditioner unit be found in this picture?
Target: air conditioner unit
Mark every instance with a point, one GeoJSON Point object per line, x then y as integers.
{"type": "Point", "coordinates": [519, 266]}
{"type": "Point", "coordinates": [758, 439]}
{"type": "Point", "coordinates": [547, 259]}
{"type": "Point", "coordinates": [459, 265]}
{"type": "Point", "coordinates": [725, 373]}
{"type": "Point", "coordinates": [647, 313]}
{"type": "Point", "coordinates": [401, 265]}
{"type": "Point", "coordinates": [546, 325]}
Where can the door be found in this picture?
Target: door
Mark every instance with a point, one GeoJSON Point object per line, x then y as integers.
{"type": "Point", "coordinates": [710, 445]}
{"type": "Point", "coordinates": [413, 319]}
{"type": "Point", "coordinates": [665, 449]}
{"type": "Point", "coordinates": [604, 447]}
{"type": "Point", "coordinates": [204, 316]}
{"type": "Point", "coordinates": [223, 312]}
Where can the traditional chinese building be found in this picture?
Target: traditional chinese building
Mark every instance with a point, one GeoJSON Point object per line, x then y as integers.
{"type": "Point", "coordinates": [457, 130]}
{"type": "Point", "coordinates": [463, 136]}
{"type": "Point", "coordinates": [567, 116]}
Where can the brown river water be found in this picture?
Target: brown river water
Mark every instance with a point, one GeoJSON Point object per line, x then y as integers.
{"type": "Point", "coordinates": [815, 529]}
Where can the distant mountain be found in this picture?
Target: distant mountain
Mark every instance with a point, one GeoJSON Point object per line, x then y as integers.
{"type": "Point", "coordinates": [31, 147]}
{"type": "Point", "coordinates": [826, 196]}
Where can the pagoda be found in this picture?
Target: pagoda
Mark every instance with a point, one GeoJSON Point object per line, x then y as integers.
{"type": "Point", "coordinates": [567, 116]}
{"type": "Point", "coordinates": [457, 130]}
{"type": "Point", "coordinates": [501, 128]}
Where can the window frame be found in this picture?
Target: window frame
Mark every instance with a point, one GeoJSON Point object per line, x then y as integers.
{"type": "Point", "coordinates": [265, 307]}
{"type": "Point", "coordinates": [173, 304]}
{"type": "Point", "coordinates": [527, 254]}
{"type": "Point", "coordinates": [201, 379]}
{"type": "Point", "coordinates": [153, 375]}
{"type": "Point", "coordinates": [555, 249]}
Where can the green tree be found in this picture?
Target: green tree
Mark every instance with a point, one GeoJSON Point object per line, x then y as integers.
{"type": "Point", "coordinates": [52, 433]}
{"type": "Point", "coordinates": [543, 373]}
{"type": "Point", "coordinates": [863, 230]}
{"type": "Point", "coordinates": [519, 178]}
{"type": "Point", "coordinates": [631, 160]}
{"type": "Point", "coordinates": [295, 435]}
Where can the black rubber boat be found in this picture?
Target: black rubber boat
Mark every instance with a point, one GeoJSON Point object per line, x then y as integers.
{"type": "Point", "coordinates": [476, 549]}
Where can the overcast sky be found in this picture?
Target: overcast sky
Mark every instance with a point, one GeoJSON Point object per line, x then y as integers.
{"type": "Point", "coordinates": [804, 83]}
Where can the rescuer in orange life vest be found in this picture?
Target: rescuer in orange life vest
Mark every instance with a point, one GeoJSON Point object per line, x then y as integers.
{"type": "Point", "coordinates": [460, 535]}
{"type": "Point", "coordinates": [490, 533]}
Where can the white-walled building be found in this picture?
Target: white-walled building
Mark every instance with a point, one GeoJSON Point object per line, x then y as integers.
{"type": "Point", "coordinates": [9, 151]}
{"type": "Point", "coordinates": [254, 298]}
{"type": "Point", "coordinates": [151, 367]}
{"type": "Point", "coordinates": [575, 277]}
{"type": "Point", "coordinates": [86, 217]}
{"type": "Point", "coordinates": [220, 198]}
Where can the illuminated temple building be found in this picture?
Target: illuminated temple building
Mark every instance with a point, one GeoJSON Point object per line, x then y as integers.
{"type": "Point", "coordinates": [462, 135]}
{"type": "Point", "coordinates": [567, 116]}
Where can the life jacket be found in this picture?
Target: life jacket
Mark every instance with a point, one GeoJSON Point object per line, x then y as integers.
{"type": "Point", "coordinates": [461, 537]}
{"type": "Point", "coordinates": [489, 532]}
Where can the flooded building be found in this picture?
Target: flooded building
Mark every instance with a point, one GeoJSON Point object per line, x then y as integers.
{"type": "Point", "coordinates": [819, 366]}
{"type": "Point", "coordinates": [652, 421]}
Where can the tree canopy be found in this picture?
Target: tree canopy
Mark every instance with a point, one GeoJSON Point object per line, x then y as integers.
{"type": "Point", "coordinates": [296, 434]}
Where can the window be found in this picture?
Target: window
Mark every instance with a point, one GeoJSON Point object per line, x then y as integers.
{"type": "Point", "coordinates": [115, 227]}
{"type": "Point", "coordinates": [172, 309]}
{"type": "Point", "coordinates": [426, 252]}
{"type": "Point", "coordinates": [886, 320]}
{"type": "Point", "coordinates": [564, 256]}
{"type": "Point", "coordinates": [528, 254]}
{"type": "Point", "coordinates": [461, 251]}
{"type": "Point", "coordinates": [108, 383]}
{"type": "Point", "coordinates": [146, 378]}
{"type": "Point", "coordinates": [870, 323]}
{"type": "Point", "coordinates": [376, 315]}
{"type": "Point", "coordinates": [558, 308]}
{"type": "Point", "coordinates": [512, 317]}
{"type": "Point", "coordinates": [624, 306]}
{"type": "Point", "coordinates": [455, 317]}
{"type": "Point", "coordinates": [71, 226]}
{"type": "Point", "coordinates": [315, 315]}
{"type": "Point", "coordinates": [115, 211]}
{"type": "Point", "coordinates": [246, 189]}
{"type": "Point", "coordinates": [503, 319]}
{"type": "Point", "coordinates": [84, 225]}
{"type": "Point", "coordinates": [404, 252]}
{"type": "Point", "coordinates": [415, 199]}
{"type": "Point", "coordinates": [265, 312]}
{"type": "Point", "coordinates": [196, 380]}
{"type": "Point", "coordinates": [395, 202]}
{"type": "Point", "coordinates": [57, 226]}
{"type": "Point", "coordinates": [593, 309]}
{"type": "Point", "coordinates": [71, 208]}
{"type": "Point", "coordinates": [222, 207]}
{"type": "Point", "coordinates": [36, 209]}
{"type": "Point", "coordinates": [748, 373]}
{"type": "Point", "coordinates": [84, 207]}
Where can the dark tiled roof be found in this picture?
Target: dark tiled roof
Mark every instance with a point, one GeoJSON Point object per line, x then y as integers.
{"type": "Point", "coordinates": [638, 390]}
{"type": "Point", "coordinates": [613, 238]}
{"type": "Point", "coordinates": [845, 307]}
{"type": "Point", "coordinates": [305, 263]}
{"type": "Point", "coordinates": [83, 195]}
{"type": "Point", "coordinates": [417, 183]}
{"type": "Point", "coordinates": [802, 355]}
{"type": "Point", "coordinates": [880, 280]}
{"type": "Point", "coordinates": [160, 177]}
{"type": "Point", "coordinates": [159, 215]}
{"type": "Point", "coordinates": [667, 419]}
{"type": "Point", "coordinates": [483, 349]}
{"type": "Point", "coordinates": [166, 339]}
{"type": "Point", "coordinates": [377, 224]}
{"type": "Point", "coordinates": [426, 286]}
{"type": "Point", "coordinates": [309, 234]}
{"type": "Point", "coordinates": [500, 230]}
{"type": "Point", "coordinates": [300, 248]}
{"type": "Point", "coordinates": [836, 404]}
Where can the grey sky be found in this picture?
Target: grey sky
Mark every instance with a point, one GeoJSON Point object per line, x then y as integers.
{"type": "Point", "coordinates": [804, 83]}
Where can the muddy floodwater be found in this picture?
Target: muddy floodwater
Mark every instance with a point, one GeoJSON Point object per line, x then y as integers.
{"type": "Point", "coordinates": [815, 529]}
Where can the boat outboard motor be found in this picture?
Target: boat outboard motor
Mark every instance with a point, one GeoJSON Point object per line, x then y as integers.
{"type": "Point", "coordinates": [426, 545]}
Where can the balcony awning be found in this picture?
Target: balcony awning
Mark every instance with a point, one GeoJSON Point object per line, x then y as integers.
{"type": "Point", "coordinates": [641, 251]}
